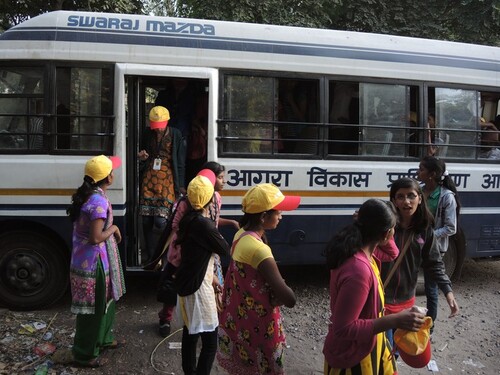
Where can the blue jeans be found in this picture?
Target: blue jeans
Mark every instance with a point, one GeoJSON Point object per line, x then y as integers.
{"type": "Point", "coordinates": [432, 295]}
{"type": "Point", "coordinates": [389, 334]}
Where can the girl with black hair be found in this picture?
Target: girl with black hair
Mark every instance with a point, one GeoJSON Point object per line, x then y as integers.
{"type": "Point", "coordinates": [216, 172]}
{"type": "Point", "coordinates": [356, 342]}
{"type": "Point", "coordinates": [199, 239]}
{"type": "Point", "coordinates": [220, 180]}
{"type": "Point", "coordinates": [215, 209]}
{"type": "Point", "coordinates": [416, 241]}
{"type": "Point", "coordinates": [251, 335]}
{"type": "Point", "coordinates": [440, 194]}
{"type": "Point", "coordinates": [96, 273]}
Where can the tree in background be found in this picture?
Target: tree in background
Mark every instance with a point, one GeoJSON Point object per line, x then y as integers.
{"type": "Point", "coordinates": [15, 12]}
{"type": "Point", "coordinates": [472, 21]}
{"type": "Point", "coordinates": [307, 13]}
{"type": "Point", "coordinates": [475, 21]}
{"type": "Point", "coordinates": [159, 7]}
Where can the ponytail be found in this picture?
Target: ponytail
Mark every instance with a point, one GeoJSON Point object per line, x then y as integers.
{"type": "Point", "coordinates": [343, 245]}
{"type": "Point", "coordinates": [438, 166]}
{"type": "Point", "coordinates": [86, 189]}
{"type": "Point", "coordinates": [375, 217]}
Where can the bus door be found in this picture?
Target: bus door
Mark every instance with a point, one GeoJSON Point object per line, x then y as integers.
{"type": "Point", "coordinates": [190, 100]}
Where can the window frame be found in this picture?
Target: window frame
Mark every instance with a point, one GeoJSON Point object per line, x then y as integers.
{"type": "Point", "coordinates": [324, 81]}
{"type": "Point", "coordinates": [50, 115]}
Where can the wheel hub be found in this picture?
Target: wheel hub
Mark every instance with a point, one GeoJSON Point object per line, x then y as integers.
{"type": "Point", "coordinates": [24, 273]}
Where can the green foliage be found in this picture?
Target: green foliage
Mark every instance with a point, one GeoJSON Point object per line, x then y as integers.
{"type": "Point", "coordinates": [159, 7]}
{"type": "Point", "coordinates": [473, 21]}
{"type": "Point", "coordinates": [306, 13]}
{"type": "Point", "coordinates": [14, 12]}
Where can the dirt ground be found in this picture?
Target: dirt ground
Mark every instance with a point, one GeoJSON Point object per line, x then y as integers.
{"type": "Point", "coordinates": [466, 344]}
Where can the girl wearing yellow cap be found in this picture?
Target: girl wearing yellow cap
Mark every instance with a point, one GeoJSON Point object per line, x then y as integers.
{"type": "Point", "coordinates": [96, 274]}
{"type": "Point", "coordinates": [199, 240]}
{"type": "Point", "coordinates": [251, 335]}
{"type": "Point", "coordinates": [163, 173]}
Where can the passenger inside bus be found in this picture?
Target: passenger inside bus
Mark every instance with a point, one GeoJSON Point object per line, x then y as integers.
{"type": "Point", "coordinates": [36, 128]}
{"type": "Point", "coordinates": [196, 153]}
{"type": "Point", "coordinates": [297, 111]}
{"type": "Point", "coordinates": [7, 141]}
{"type": "Point", "coordinates": [293, 109]}
{"type": "Point", "coordinates": [413, 137]}
{"type": "Point", "coordinates": [344, 119]}
{"type": "Point", "coordinates": [489, 142]}
{"type": "Point", "coordinates": [179, 98]}
{"type": "Point", "coordinates": [434, 138]}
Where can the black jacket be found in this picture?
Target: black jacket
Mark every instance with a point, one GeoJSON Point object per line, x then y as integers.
{"type": "Point", "coordinates": [422, 252]}
{"type": "Point", "coordinates": [201, 240]}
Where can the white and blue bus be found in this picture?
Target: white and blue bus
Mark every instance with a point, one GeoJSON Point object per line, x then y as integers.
{"type": "Point", "coordinates": [332, 116]}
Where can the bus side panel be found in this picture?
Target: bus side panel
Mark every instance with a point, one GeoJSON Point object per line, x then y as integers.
{"type": "Point", "coordinates": [482, 235]}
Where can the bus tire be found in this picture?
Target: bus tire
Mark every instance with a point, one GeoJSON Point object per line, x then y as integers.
{"type": "Point", "coordinates": [34, 270]}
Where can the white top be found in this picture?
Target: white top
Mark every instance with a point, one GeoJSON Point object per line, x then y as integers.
{"type": "Point", "coordinates": [198, 311]}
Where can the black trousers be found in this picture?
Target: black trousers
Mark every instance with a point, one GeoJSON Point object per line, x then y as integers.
{"type": "Point", "coordinates": [207, 354]}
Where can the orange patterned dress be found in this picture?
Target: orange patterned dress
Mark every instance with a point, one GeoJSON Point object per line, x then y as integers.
{"type": "Point", "coordinates": [157, 189]}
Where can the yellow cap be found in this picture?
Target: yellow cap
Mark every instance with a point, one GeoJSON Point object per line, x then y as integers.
{"type": "Point", "coordinates": [415, 347]}
{"type": "Point", "coordinates": [99, 167]}
{"type": "Point", "coordinates": [158, 117]}
{"type": "Point", "coordinates": [199, 192]}
{"type": "Point", "coordinates": [264, 197]}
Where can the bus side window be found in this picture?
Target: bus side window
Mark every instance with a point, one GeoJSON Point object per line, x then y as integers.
{"type": "Point", "coordinates": [297, 113]}
{"type": "Point", "coordinates": [456, 122]}
{"type": "Point", "coordinates": [248, 116]}
{"type": "Point", "coordinates": [21, 100]}
{"type": "Point", "coordinates": [84, 109]}
{"type": "Point", "coordinates": [343, 131]}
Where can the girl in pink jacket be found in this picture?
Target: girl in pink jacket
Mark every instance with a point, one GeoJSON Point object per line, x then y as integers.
{"type": "Point", "coordinates": [356, 340]}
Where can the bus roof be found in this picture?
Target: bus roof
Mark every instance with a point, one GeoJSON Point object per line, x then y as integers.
{"type": "Point", "coordinates": [66, 35]}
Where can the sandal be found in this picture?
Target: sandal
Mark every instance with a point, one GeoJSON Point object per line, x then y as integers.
{"type": "Point", "coordinates": [116, 344]}
{"type": "Point", "coordinates": [93, 363]}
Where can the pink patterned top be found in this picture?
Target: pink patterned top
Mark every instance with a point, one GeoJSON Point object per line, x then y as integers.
{"type": "Point", "coordinates": [251, 336]}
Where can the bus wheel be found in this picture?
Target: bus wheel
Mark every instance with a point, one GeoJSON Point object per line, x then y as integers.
{"type": "Point", "coordinates": [34, 270]}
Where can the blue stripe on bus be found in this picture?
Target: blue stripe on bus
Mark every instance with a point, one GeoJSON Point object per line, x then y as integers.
{"type": "Point", "coordinates": [45, 207]}
{"type": "Point", "coordinates": [244, 45]}
{"type": "Point", "coordinates": [467, 200]}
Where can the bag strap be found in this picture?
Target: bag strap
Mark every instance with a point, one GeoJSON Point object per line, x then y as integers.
{"type": "Point", "coordinates": [398, 261]}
